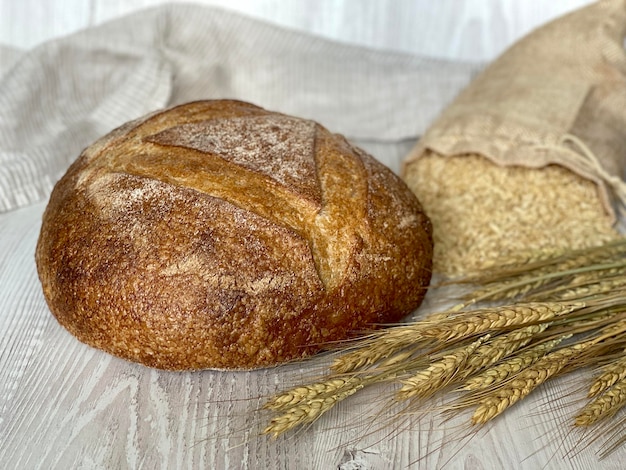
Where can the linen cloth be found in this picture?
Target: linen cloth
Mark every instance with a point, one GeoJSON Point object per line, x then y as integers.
{"type": "Point", "coordinates": [61, 96]}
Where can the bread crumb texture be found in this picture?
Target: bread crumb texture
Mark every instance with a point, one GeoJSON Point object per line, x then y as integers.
{"type": "Point", "coordinates": [217, 234]}
{"type": "Point", "coordinates": [482, 212]}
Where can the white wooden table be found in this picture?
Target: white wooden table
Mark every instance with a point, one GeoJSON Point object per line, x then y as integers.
{"type": "Point", "coordinates": [64, 405]}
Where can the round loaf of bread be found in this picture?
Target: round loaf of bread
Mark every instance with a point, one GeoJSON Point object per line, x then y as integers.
{"type": "Point", "coordinates": [217, 234]}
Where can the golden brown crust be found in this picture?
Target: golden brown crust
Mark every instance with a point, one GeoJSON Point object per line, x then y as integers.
{"type": "Point", "coordinates": [217, 234]}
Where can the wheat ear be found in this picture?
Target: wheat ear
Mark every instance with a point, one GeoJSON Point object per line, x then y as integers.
{"type": "Point", "coordinates": [539, 262]}
{"type": "Point", "coordinates": [305, 393]}
{"type": "Point", "coordinates": [580, 290]}
{"type": "Point", "coordinates": [307, 411]}
{"type": "Point", "coordinates": [610, 374]}
{"type": "Point", "coordinates": [603, 406]}
{"type": "Point", "coordinates": [384, 344]}
{"type": "Point", "coordinates": [507, 289]}
{"type": "Point", "coordinates": [526, 381]}
{"type": "Point", "coordinates": [439, 373]}
{"type": "Point", "coordinates": [502, 371]}
{"type": "Point", "coordinates": [499, 347]}
{"type": "Point", "coordinates": [384, 347]}
{"type": "Point", "coordinates": [480, 321]}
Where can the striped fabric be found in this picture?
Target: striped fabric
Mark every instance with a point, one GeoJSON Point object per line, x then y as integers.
{"type": "Point", "coordinates": [59, 97]}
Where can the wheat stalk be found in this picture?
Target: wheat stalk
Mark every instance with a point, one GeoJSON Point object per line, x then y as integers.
{"type": "Point", "coordinates": [307, 411]}
{"type": "Point", "coordinates": [510, 289]}
{"type": "Point", "coordinates": [496, 355]}
{"type": "Point", "coordinates": [499, 347]}
{"type": "Point", "coordinates": [374, 350]}
{"type": "Point", "coordinates": [594, 276]}
{"type": "Point", "coordinates": [603, 406]}
{"type": "Point", "coordinates": [306, 393]}
{"type": "Point", "coordinates": [526, 381]}
{"type": "Point", "coordinates": [438, 374]}
{"type": "Point", "coordinates": [383, 344]}
{"type": "Point", "coordinates": [364, 356]}
{"type": "Point", "coordinates": [581, 289]}
{"type": "Point", "coordinates": [548, 261]}
{"type": "Point", "coordinates": [480, 321]}
{"type": "Point", "coordinates": [502, 371]}
{"type": "Point", "coordinates": [512, 281]}
{"type": "Point", "coordinates": [305, 404]}
{"type": "Point", "coordinates": [611, 373]}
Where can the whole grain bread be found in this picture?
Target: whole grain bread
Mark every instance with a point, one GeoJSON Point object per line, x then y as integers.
{"type": "Point", "coordinates": [217, 234]}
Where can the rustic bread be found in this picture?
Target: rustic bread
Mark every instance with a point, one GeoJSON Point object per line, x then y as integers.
{"type": "Point", "coordinates": [217, 234]}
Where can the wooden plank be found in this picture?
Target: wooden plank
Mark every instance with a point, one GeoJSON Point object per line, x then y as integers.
{"type": "Point", "coordinates": [469, 30]}
{"type": "Point", "coordinates": [27, 23]}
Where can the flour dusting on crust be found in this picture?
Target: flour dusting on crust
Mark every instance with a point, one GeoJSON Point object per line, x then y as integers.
{"type": "Point", "coordinates": [280, 147]}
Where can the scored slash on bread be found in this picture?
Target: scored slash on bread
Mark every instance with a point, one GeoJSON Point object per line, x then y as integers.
{"type": "Point", "coordinates": [270, 173]}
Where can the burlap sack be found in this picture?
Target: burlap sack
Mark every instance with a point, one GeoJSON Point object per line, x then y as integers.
{"type": "Point", "coordinates": [556, 97]}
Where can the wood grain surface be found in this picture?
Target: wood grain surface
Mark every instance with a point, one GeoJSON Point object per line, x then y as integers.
{"type": "Point", "coordinates": [64, 405]}
{"type": "Point", "coordinates": [455, 29]}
